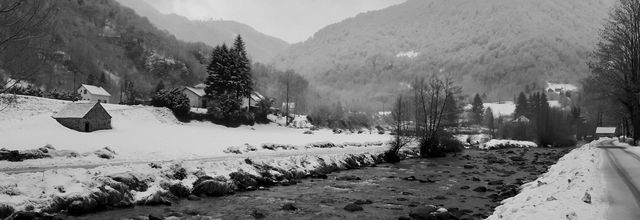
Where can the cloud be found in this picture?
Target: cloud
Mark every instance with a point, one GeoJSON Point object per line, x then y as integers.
{"type": "Point", "coordinates": [290, 20]}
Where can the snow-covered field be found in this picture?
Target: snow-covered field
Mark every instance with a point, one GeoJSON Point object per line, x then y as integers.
{"type": "Point", "coordinates": [143, 133]}
{"type": "Point", "coordinates": [508, 107]}
{"type": "Point", "coordinates": [559, 193]}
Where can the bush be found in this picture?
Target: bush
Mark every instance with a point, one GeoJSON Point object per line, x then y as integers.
{"type": "Point", "coordinates": [450, 144]}
{"type": "Point", "coordinates": [264, 109]}
{"type": "Point", "coordinates": [173, 99]}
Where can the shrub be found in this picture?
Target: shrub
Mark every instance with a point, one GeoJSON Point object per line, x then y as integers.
{"type": "Point", "coordinates": [173, 99]}
{"type": "Point", "coordinates": [450, 144]}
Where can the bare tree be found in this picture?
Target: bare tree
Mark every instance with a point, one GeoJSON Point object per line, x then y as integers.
{"type": "Point", "coordinates": [23, 25]}
{"type": "Point", "coordinates": [430, 97]}
{"type": "Point", "coordinates": [400, 115]}
{"type": "Point", "coordinates": [616, 69]}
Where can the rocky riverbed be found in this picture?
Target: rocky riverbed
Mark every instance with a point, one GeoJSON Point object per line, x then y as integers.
{"type": "Point", "coordinates": [469, 185]}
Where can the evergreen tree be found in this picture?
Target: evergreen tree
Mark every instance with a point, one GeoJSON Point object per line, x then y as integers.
{"type": "Point", "coordinates": [522, 106]}
{"type": "Point", "coordinates": [242, 67]}
{"type": "Point", "coordinates": [103, 80]}
{"type": "Point", "coordinates": [452, 111]}
{"type": "Point", "coordinates": [477, 110]}
{"type": "Point", "coordinates": [489, 120]}
{"type": "Point", "coordinates": [159, 87]}
{"type": "Point", "coordinates": [91, 79]}
{"type": "Point", "coordinates": [222, 85]}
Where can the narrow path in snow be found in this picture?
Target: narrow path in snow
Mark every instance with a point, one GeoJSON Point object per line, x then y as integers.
{"type": "Point", "coordinates": [622, 174]}
{"type": "Point", "coordinates": [33, 168]}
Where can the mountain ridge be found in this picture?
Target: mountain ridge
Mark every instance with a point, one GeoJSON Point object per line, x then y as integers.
{"type": "Point", "coordinates": [261, 47]}
{"type": "Point", "coordinates": [498, 47]}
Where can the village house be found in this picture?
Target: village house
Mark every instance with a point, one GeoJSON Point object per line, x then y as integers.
{"type": "Point", "coordinates": [252, 100]}
{"type": "Point", "coordinates": [196, 95]}
{"type": "Point", "coordinates": [93, 93]}
{"type": "Point", "coordinates": [605, 132]}
{"type": "Point", "coordinates": [84, 116]}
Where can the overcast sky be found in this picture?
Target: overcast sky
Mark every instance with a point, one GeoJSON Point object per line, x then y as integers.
{"type": "Point", "coordinates": [291, 20]}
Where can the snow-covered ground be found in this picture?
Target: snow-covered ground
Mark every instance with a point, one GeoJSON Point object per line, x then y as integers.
{"type": "Point", "coordinates": [508, 107]}
{"type": "Point", "coordinates": [561, 86]}
{"type": "Point", "coordinates": [559, 193]}
{"type": "Point", "coordinates": [143, 133]}
{"type": "Point", "coordinates": [498, 143]}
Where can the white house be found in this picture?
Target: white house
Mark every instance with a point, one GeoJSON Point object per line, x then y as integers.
{"type": "Point", "coordinates": [196, 95]}
{"type": "Point", "coordinates": [94, 93]}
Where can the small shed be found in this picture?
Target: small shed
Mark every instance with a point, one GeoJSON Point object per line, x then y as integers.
{"type": "Point", "coordinates": [196, 96]}
{"type": "Point", "coordinates": [605, 131]}
{"type": "Point", "coordinates": [84, 116]}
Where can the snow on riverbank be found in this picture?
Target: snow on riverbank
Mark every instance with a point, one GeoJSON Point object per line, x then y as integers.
{"type": "Point", "coordinates": [559, 193]}
{"type": "Point", "coordinates": [41, 190]}
{"type": "Point", "coordinates": [497, 143]}
{"type": "Point", "coordinates": [143, 133]}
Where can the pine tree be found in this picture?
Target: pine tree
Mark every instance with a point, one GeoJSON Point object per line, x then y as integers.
{"type": "Point", "coordinates": [159, 87]}
{"type": "Point", "coordinates": [477, 110]}
{"type": "Point", "coordinates": [91, 79]}
{"type": "Point", "coordinates": [242, 67]}
{"type": "Point", "coordinates": [103, 80]}
{"type": "Point", "coordinates": [452, 111]}
{"type": "Point", "coordinates": [222, 84]}
{"type": "Point", "coordinates": [489, 120]}
{"type": "Point", "coordinates": [522, 106]}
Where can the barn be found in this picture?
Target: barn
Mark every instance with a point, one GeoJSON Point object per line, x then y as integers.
{"type": "Point", "coordinates": [84, 116]}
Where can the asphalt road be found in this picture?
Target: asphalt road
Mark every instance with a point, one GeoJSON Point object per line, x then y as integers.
{"type": "Point", "coordinates": [622, 174]}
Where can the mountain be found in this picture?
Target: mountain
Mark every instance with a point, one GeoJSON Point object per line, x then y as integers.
{"type": "Point", "coordinates": [261, 47]}
{"type": "Point", "coordinates": [103, 43]}
{"type": "Point", "coordinates": [497, 47]}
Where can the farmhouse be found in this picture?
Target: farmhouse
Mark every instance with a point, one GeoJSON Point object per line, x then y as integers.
{"type": "Point", "coordinates": [605, 131]}
{"type": "Point", "coordinates": [84, 116]}
{"type": "Point", "coordinates": [196, 95]}
{"type": "Point", "coordinates": [93, 93]}
{"type": "Point", "coordinates": [252, 100]}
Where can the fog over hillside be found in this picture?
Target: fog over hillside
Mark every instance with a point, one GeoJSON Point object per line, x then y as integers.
{"type": "Point", "coordinates": [261, 47]}
{"type": "Point", "coordinates": [498, 47]}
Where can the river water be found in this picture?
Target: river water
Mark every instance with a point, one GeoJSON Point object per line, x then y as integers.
{"type": "Point", "coordinates": [393, 189]}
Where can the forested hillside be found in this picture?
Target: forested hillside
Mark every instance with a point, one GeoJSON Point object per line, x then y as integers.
{"type": "Point", "coordinates": [261, 47]}
{"type": "Point", "coordinates": [103, 43]}
{"type": "Point", "coordinates": [497, 47]}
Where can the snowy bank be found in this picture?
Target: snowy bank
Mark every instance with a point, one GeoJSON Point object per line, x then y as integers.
{"type": "Point", "coordinates": [498, 144]}
{"type": "Point", "coordinates": [88, 190]}
{"type": "Point", "coordinates": [561, 192]}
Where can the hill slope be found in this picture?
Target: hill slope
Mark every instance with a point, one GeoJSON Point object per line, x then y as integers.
{"type": "Point", "coordinates": [260, 47]}
{"type": "Point", "coordinates": [102, 41]}
{"type": "Point", "coordinates": [493, 46]}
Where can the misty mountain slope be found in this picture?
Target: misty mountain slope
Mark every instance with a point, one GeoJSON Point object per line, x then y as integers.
{"type": "Point", "coordinates": [493, 46]}
{"type": "Point", "coordinates": [261, 47]}
{"type": "Point", "coordinates": [111, 44]}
